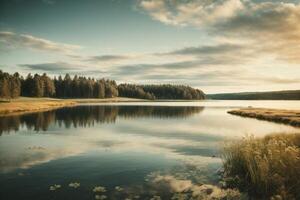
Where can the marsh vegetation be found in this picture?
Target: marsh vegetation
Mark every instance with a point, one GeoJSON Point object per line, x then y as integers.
{"type": "Point", "coordinates": [265, 168]}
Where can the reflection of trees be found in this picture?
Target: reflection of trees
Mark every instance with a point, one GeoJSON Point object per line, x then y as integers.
{"type": "Point", "coordinates": [85, 116]}
{"type": "Point", "coordinates": [157, 111]}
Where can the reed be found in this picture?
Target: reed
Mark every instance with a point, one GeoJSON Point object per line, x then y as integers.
{"type": "Point", "coordinates": [266, 168]}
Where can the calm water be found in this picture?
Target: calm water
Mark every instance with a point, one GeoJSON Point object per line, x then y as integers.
{"type": "Point", "coordinates": [129, 146]}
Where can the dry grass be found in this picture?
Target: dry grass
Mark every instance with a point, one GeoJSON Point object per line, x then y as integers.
{"type": "Point", "coordinates": [289, 117]}
{"type": "Point", "coordinates": [28, 105]}
{"type": "Point", "coordinates": [108, 100]}
{"type": "Point", "coordinates": [267, 168]}
{"type": "Point", "coordinates": [25, 105]}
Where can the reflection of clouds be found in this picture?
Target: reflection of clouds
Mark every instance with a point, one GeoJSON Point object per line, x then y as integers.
{"type": "Point", "coordinates": [193, 140]}
{"type": "Point", "coordinates": [212, 124]}
{"type": "Point", "coordinates": [24, 158]}
{"type": "Point", "coordinates": [61, 146]}
{"type": "Point", "coordinates": [174, 184]}
{"type": "Point", "coordinates": [186, 189]}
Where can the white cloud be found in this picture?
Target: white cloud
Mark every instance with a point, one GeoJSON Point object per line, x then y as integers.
{"type": "Point", "coordinates": [14, 40]}
{"type": "Point", "coordinates": [196, 12]}
{"type": "Point", "coordinates": [269, 27]}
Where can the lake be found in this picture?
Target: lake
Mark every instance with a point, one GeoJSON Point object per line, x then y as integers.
{"type": "Point", "coordinates": [128, 148]}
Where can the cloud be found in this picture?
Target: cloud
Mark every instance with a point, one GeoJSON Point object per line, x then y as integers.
{"type": "Point", "coordinates": [51, 67]}
{"type": "Point", "coordinates": [219, 54]}
{"type": "Point", "coordinates": [199, 73]}
{"type": "Point", "coordinates": [14, 40]}
{"type": "Point", "coordinates": [271, 27]}
{"type": "Point", "coordinates": [61, 68]}
{"type": "Point", "coordinates": [105, 58]}
{"type": "Point", "coordinates": [197, 12]}
{"type": "Point", "coordinates": [207, 50]}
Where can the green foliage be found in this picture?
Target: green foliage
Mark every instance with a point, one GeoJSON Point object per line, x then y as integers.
{"type": "Point", "coordinates": [38, 86]}
{"type": "Point", "coordinates": [82, 87]}
{"type": "Point", "coordinates": [134, 91]}
{"type": "Point", "coordinates": [265, 168]}
{"type": "Point", "coordinates": [165, 91]}
{"type": "Point", "coordinates": [10, 85]}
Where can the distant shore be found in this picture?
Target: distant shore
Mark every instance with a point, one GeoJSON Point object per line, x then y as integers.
{"type": "Point", "coordinates": [28, 105]}
{"type": "Point", "coordinates": [288, 117]}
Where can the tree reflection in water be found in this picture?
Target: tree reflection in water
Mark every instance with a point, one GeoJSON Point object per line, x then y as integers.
{"type": "Point", "coordinates": [86, 116]}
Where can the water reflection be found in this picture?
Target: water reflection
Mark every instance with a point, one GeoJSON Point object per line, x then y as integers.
{"type": "Point", "coordinates": [86, 116]}
{"type": "Point", "coordinates": [146, 150]}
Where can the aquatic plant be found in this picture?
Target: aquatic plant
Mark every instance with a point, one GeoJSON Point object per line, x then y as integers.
{"type": "Point", "coordinates": [99, 189]}
{"type": "Point", "coordinates": [100, 197]}
{"type": "Point", "coordinates": [54, 187]}
{"type": "Point", "coordinates": [265, 168]}
{"type": "Point", "coordinates": [155, 198]}
{"type": "Point", "coordinates": [74, 185]}
{"type": "Point", "coordinates": [119, 189]}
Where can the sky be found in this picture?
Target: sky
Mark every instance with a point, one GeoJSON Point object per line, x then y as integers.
{"type": "Point", "coordinates": [215, 45]}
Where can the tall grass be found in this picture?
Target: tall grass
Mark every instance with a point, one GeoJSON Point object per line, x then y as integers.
{"type": "Point", "coordinates": [266, 168]}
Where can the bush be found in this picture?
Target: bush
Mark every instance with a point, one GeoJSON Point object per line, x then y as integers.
{"type": "Point", "coordinates": [265, 168]}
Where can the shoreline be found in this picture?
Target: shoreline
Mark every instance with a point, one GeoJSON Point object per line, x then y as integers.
{"type": "Point", "coordinates": [31, 105]}
{"type": "Point", "coordinates": [287, 117]}
{"type": "Point", "coordinates": [25, 105]}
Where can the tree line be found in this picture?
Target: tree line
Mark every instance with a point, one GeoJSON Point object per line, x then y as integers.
{"type": "Point", "coordinates": [163, 91]}
{"type": "Point", "coordinates": [82, 87]}
{"type": "Point", "coordinates": [10, 85]}
{"type": "Point", "coordinates": [13, 86]}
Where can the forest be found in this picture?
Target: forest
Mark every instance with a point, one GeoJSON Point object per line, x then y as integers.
{"type": "Point", "coordinates": [15, 85]}
{"type": "Point", "coordinates": [164, 91]}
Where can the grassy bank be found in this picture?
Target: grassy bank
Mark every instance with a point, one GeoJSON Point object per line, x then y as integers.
{"type": "Point", "coordinates": [289, 117]}
{"type": "Point", "coordinates": [266, 168]}
{"type": "Point", "coordinates": [108, 100]}
{"type": "Point", "coordinates": [28, 105]}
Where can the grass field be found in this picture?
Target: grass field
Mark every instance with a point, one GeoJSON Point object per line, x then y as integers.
{"type": "Point", "coordinates": [289, 117]}
{"type": "Point", "coordinates": [26, 104]}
